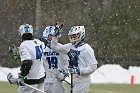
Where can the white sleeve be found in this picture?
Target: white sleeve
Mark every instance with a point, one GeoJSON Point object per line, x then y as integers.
{"type": "Point", "coordinates": [88, 70]}
{"type": "Point", "coordinates": [66, 63]}
{"type": "Point", "coordinates": [59, 47]}
{"type": "Point", "coordinates": [54, 42]}
{"type": "Point", "coordinates": [24, 53]}
{"type": "Point", "coordinates": [90, 61]}
{"type": "Point", "coordinates": [43, 45]}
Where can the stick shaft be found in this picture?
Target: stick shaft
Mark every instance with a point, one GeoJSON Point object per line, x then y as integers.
{"type": "Point", "coordinates": [67, 82]}
{"type": "Point", "coordinates": [34, 88]}
{"type": "Point", "coordinates": [71, 83]}
{"type": "Point", "coordinates": [6, 73]}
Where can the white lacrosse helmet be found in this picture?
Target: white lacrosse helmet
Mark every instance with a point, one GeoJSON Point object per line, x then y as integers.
{"type": "Point", "coordinates": [48, 31]}
{"type": "Point", "coordinates": [76, 34]}
{"type": "Point", "coordinates": [25, 29]}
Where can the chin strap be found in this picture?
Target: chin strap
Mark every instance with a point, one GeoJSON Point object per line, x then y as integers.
{"type": "Point", "coordinates": [80, 44]}
{"type": "Point", "coordinates": [48, 44]}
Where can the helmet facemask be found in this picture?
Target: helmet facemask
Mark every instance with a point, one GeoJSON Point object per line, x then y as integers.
{"type": "Point", "coordinates": [76, 35]}
{"type": "Point", "coordinates": [47, 33]}
{"type": "Point", "coordinates": [74, 38]}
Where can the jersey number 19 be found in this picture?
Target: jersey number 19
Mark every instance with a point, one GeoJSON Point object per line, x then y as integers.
{"type": "Point", "coordinates": [52, 61]}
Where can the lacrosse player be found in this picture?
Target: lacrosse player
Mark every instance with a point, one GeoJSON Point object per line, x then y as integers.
{"type": "Point", "coordinates": [32, 69]}
{"type": "Point", "coordinates": [82, 61]}
{"type": "Point", "coordinates": [55, 65]}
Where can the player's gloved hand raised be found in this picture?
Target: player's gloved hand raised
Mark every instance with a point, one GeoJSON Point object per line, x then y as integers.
{"type": "Point", "coordinates": [57, 30]}
{"type": "Point", "coordinates": [75, 70]}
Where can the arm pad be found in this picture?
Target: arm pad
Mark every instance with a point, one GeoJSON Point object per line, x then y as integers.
{"type": "Point", "coordinates": [25, 67]}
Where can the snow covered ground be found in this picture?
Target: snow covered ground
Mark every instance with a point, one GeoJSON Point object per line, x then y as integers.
{"type": "Point", "coordinates": [105, 74]}
{"type": "Point", "coordinates": [116, 74]}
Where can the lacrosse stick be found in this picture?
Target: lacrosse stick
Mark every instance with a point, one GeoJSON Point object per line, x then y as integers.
{"type": "Point", "coordinates": [13, 80]}
{"type": "Point", "coordinates": [13, 49]}
{"type": "Point", "coordinates": [34, 88]}
{"type": "Point", "coordinates": [67, 82]}
{"type": "Point", "coordinates": [71, 67]}
{"type": "Point", "coordinates": [59, 26]}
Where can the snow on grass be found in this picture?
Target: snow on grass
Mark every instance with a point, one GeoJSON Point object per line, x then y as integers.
{"type": "Point", "coordinates": [108, 73]}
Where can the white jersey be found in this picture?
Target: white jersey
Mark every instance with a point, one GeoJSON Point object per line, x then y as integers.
{"type": "Point", "coordinates": [86, 60]}
{"type": "Point", "coordinates": [53, 61]}
{"type": "Point", "coordinates": [32, 50]}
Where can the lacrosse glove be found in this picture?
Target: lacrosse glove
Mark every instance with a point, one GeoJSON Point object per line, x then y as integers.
{"type": "Point", "coordinates": [20, 80]}
{"type": "Point", "coordinates": [62, 75]}
{"type": "Point", "coordinates": [75, 70]}
{"type": "Point", "coordinates": [11, 79]}
{"type": "Point", "coordinates": [57, 30]}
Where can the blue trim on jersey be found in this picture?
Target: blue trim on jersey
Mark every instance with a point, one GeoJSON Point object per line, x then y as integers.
{"type": "Point", "coordinates": [80, 44]}
{"type": "Point", "coordinates": [35, 42]}
{"type": "Point", "coordinates": [49, 30]}
{"type": "Point", "coordinates": [38, 52]}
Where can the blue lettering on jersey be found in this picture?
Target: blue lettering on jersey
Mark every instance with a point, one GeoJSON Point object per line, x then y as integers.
{"type": "Point", "coordinates": [35, 42]}
{"type": "Point", "coordinates": [52, 59]}
{"type": "Point", "coordinates": [38, 52]}
{"type": "Point", "coordinates": [51, 54]}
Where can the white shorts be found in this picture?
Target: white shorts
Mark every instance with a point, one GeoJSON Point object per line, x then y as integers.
{"type": "Point", "coordinates": [56, 87]}
{"type": "Point", "coordinates": [81, 87]}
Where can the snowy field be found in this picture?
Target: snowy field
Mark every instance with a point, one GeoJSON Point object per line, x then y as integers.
{"type": "Point", "coordinates": [108, 74]}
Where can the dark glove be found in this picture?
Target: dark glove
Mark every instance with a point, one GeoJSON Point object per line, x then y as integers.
{"type": "Point", "coordinates": [73, 57]}
{"type": "Point", "coordinates": [57, 30]}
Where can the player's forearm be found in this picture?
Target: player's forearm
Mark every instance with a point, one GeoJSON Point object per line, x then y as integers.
{"type": "Point", "coordinates": [25, 67]}
{"type": "Point", "coordinates": [59, 47]}
{"type": "Point", "coordinates": [54, 45]}
{"type": "Point", "coordinates": [88, 70]}
{"type": "Point", "coordinates": [54, 41]}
